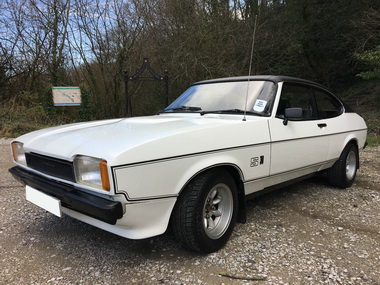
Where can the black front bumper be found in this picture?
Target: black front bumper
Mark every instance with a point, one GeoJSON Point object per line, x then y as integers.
{"type": "Point", "coordinates": [71, 197]}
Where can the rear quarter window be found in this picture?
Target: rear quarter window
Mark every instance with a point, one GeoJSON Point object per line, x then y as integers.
{"type": "Point", "coordinates": [328, 106]}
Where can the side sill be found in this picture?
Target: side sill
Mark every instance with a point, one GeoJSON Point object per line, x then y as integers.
{"type": "Point", "coordinates": [278, 186]}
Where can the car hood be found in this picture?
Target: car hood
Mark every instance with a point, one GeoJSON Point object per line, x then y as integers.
{"type": "Point", "coordinates": [131, 140]}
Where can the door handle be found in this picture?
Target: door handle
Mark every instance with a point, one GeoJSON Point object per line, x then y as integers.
{"type": "Point", "coordinates": [322, 125]}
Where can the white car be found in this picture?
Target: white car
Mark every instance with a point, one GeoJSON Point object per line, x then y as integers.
{"type": "Point", "coordinates": [192, 166]}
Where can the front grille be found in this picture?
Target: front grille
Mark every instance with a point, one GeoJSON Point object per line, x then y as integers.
{"type": "Point", "coordinates": [51, 166]}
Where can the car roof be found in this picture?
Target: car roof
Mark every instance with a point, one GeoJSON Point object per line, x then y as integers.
{"type": "Point", "coordinates": [273, 78]}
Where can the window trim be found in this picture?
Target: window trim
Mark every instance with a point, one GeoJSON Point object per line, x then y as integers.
{"type": "Point", "coordinates": [342, 106]}
{"type": "Point", "coordinates": [312, 99]}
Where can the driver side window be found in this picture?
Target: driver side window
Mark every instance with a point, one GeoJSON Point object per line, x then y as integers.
{"type": "Point", "coordinates": [296, 96]}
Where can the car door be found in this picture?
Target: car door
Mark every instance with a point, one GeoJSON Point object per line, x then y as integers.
{"type": "Point", "coordinates": [330, 110]}
{"type": "Point", "coordinates": [298, 147]}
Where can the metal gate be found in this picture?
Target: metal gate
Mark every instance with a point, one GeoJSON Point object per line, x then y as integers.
{"type": "Point", "coordinates": [139, 77]}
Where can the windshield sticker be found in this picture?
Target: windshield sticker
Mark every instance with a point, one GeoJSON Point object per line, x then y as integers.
{"type": "Point", "coordinates": [260, 105]}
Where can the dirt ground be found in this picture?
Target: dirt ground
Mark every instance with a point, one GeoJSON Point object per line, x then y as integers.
{"type": "Point", "coordinates": [309, 233]}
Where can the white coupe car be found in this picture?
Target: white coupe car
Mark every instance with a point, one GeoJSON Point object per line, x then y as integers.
{"type": "Point", "coordinates": [192, 166]}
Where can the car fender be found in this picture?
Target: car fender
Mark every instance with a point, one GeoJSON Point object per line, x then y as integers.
{"type": "Point", "coordinates": [337, 145]}
{"type": "Point", "coordinates": [207, 164]}
{"type": "Point", "coordinates": [127, 179]}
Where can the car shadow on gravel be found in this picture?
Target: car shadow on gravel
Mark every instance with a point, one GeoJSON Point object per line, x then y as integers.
{"type": "Point", "coordinates": [68, 236]}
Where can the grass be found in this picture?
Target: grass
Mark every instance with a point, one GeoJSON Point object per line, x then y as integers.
{"type": "Point", "coordinates": [373, 141]}
{"type": "Point", "coordinates": [27, 112]}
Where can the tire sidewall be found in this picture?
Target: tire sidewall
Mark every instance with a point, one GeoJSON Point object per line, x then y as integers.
{"type": "Point", "coordinates": [351, 148]}
{"type": "Point", "coordinates": [206, 243]}
{"type": "Point", "coordinates": [337, 174]}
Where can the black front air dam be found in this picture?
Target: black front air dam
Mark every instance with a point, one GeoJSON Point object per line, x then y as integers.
{"type": "Point", "coordinates": [72, 197]}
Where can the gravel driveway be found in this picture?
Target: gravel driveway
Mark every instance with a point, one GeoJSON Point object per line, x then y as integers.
{"type": "Point", "coordinates": [308, 233]}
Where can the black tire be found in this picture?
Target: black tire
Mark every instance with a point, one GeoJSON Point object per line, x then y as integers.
{"type": "Point", "coordinates": [205, 213]}
{"type": "Point", "coordinates": [342, 174]}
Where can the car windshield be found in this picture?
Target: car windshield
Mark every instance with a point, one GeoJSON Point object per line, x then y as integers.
{"type": "Point", "coordinates": [253, 97]}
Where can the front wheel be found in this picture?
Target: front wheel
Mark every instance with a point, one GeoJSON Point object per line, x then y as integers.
{"type": "Point", "coordinates": [205, 213]}
{"type": "Point", "coordinates": [342, 174]}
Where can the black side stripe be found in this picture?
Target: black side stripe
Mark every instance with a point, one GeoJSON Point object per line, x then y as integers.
{"type": "Point", "coordinates": [159, 160]}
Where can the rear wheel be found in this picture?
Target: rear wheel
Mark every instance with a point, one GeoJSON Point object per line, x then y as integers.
{"type": "Point", "coordinates": [342, 174]}
{"type": "Point", "coordinates": [205, 213]}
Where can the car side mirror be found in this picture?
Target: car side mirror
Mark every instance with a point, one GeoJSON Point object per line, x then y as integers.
{"type": "Point", "coordinates": [293, 114]}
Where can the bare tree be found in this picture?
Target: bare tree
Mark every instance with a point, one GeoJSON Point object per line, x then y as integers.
{"type": "Point", "coordinates": [35, 39]}
{"type": "Point", "coordinates": [103, 34]}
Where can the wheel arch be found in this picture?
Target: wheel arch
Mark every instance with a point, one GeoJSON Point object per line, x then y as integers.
{"type": "Point", "coordinates": [242, 215]}
{"type": "Point", "coordinates": [237, 175]}
{"type": "Point", "coordinates": [353, 141]}
{"type": "Point", "coordinates": [338, 145]}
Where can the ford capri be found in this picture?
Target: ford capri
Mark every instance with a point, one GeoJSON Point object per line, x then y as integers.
{"type": "Point", "coordinates": [191, 167]}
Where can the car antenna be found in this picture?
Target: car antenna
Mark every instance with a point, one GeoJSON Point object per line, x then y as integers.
{"type": "Point", "coordinates": [250, 67]}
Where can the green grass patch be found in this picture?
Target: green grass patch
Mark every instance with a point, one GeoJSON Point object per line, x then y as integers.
{"type": "Point", "coordinates": [373, 141]}
{"type": "Point", "coordinates": [27, 112]}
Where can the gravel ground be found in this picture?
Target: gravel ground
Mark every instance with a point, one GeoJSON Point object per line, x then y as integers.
{"type": "Point", "coordinates": [308, 233]}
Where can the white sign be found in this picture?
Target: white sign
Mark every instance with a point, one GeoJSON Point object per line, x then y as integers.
{"type": "Point", "coordinates": [260, 105]}
{"type": "Point", "coordinates": [66, 96]}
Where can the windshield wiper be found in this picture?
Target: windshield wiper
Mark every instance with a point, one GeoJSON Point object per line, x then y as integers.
{"type": "Point", "coordinates": [232, 111]}
{"type": "Point", "coordinates": [182, 108]}
{"type": "Point", "coordinates": [227, 111]}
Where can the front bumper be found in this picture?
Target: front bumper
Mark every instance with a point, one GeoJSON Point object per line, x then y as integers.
{"type": "Point", "coordinates": [71, 197]}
